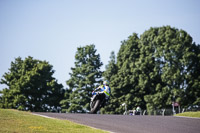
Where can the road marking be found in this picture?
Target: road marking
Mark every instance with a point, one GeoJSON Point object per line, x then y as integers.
{"type": "Point", "coordinates": [43, 116]}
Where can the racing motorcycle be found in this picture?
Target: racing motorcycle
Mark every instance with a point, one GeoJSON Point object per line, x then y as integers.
{"type": "Point", "coordinates": [98, 100]}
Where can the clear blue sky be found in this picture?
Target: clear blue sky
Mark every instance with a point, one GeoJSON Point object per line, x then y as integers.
{"type": "Point", "coordinates": [52, 30]}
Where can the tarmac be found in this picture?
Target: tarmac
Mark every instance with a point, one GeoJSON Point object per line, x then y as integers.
{"type": "Point", "coordinates": [132, 124]}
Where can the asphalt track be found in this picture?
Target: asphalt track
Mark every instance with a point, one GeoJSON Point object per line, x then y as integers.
{"type": "Point", "coordinates": [133, 124]}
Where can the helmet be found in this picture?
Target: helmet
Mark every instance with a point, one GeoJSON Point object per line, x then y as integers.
{"type": "Point", "coordinates": [106, 82]}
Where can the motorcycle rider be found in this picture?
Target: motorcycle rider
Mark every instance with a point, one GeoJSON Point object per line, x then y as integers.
{"type": "Point", "coordinates": [104, 89]}
{"type": "Point", "coordinates": [138, 111]}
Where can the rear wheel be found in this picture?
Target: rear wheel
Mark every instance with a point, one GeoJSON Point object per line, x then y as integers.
{"type": "Point", "coordinates": [95, 106]}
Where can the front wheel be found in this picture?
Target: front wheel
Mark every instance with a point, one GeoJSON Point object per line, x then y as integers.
{"type": "Point", "coordinates": [95, 106]}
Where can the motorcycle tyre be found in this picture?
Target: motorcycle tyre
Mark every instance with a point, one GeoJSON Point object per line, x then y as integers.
{"type": "Point", "coordinates": [96, 107]}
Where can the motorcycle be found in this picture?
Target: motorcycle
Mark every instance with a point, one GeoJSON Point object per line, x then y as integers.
{"type": "Point", "coordinates": [98, 101]}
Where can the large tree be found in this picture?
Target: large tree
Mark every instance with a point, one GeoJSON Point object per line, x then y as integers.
{"type": "Point", "coordinates": [31, 86]}
{"type": "Point", "coordinates": [84, 77]}
{"type": "Point", "coordinates": [156, 69]}
{"type": "Point", "coordinates": [176, 60]}
{"type": "Point", "coordinates": [124, 87]}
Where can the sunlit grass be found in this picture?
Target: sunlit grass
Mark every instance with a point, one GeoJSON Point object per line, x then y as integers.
{"type": "Point", "coordinates": [190, 114]}
{"type": "Point", "coordinates": [13, 121]}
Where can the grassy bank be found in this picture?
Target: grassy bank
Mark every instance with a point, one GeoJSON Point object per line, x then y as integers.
{"type": "Point", "coordinates": [190, 114]}
{"type": "Point", "coordinates": [24, 122]}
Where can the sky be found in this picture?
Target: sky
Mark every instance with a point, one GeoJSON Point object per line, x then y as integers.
{"type": "Point", "coordinates": [52, 30]}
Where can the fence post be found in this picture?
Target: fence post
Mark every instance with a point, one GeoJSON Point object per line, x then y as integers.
{"type": "Point", "coordinates": [163, 112]}
{"type": "Point", "coordinates": [125, 113]}
{"type": "Point", "coordinates": [183, 110]}
{"type": "Point", "coordinates": [144, 112]}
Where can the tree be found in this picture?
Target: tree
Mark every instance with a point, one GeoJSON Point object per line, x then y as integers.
{"type": "Point", "coordinates": [31, 86]}
{"type": "Point", "coordinates": [111, 68]}
{"type": "Point", "coordinates": [175, 60]}
{"type": "Point", "coordinates": [192, 91]}
{"type": "Point", "coordinates": [84, 77]}
{"type": "Point", "coordinates": [124, 83]}
{"type": "Point", "coordinates": [156, 69]}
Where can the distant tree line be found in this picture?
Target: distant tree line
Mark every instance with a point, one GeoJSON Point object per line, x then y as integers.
{"type": "Point", "coordinates": [150, 71]}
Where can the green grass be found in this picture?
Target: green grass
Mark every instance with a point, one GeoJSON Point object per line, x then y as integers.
{"type": "Point", "coordinates": [13, 121]}
{"type": "Point", "coordinates": [190, 114]}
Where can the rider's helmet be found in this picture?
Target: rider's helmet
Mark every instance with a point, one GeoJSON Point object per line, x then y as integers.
{"type": "Point", "coordinates": [106, 82]}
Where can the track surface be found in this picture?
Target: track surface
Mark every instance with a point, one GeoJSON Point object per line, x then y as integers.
{"type": "Point", "coordinates": [133, 124]}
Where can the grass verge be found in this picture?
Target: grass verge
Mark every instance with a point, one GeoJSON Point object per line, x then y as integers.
{"type": "Point", "coordinates": [24, 122]}
{"type": "Point", "coordinates": [190, 114]}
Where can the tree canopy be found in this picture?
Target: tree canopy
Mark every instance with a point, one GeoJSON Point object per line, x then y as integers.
{"type": "Point", "coordinates": [31, 86]}
{"type": "Point", "coordinates": [156, 69]}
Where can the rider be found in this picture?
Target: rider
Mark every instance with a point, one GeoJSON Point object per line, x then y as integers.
{"type": "Point", "coordinates": [138, 110]}
{"type": "Point", "coordinates": [104, 89]}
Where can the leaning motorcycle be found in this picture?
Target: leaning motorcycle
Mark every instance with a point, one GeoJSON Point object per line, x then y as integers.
{"type": "Point", "coordinates": [98, 100]}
